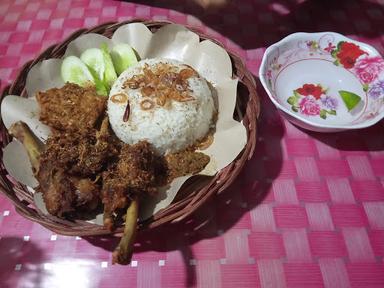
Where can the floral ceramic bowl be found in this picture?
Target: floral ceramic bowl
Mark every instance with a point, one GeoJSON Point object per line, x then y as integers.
{"type": "Point", "coordinates": [325, 82]}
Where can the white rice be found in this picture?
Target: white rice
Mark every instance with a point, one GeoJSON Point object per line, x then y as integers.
{"type": "Point", "coordinates": [167, 129]}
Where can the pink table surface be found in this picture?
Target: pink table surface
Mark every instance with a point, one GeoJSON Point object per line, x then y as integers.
{"type": "Point", "coordinates": [307, 210]}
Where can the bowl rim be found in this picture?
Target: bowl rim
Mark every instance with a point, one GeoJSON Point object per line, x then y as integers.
{"type": "Point", "coordinates": [303, 35]}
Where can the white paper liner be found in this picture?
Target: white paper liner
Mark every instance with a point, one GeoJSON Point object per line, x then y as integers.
{"type": "Point", "coordinates": [43, 76]}
{"type": "Point", "coordinates": [137, 35]}
{"type": "Point", "coordinates": [170, 41]}
{"type": "Point", "coordinates": [212, 62]}
{"type": "Point", "coordinates": [16, 161]}
{"type": "Point", "coordinates": [15, 108]}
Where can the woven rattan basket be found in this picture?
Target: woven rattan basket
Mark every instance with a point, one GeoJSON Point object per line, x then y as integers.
{"type": "Point", "coordinates": [192, 195]}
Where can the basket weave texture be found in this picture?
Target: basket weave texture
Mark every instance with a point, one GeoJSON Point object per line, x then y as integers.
{"type": "Point", "coordinates": [192, 195]}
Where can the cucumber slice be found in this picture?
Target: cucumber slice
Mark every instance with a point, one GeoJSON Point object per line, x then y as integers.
{"type": "Point", "coordinates": [123, 56]}
{"type": "Point", "coordinates": [75, 71]}
{"type": "Point", "coordinates": [94, 59]}
{"type": "Point", "coordinates": [99, 85]}
{"type": "Point", "coordinates": [109, 73]}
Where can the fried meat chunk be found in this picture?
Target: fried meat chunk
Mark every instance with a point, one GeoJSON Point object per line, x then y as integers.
{"type": "Point", "coordinates": [64, 194]}
{"type": "Point", "coordinates": [83, 154]}
{"type": "Point", "coordinates": [69, 169]}
{"type": "Point", "coordinates": [138, 170]}
{"type": "Point", "coordinates": [71, 108]}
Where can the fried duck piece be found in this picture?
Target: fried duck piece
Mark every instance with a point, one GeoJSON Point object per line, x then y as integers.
{"type": "Point", "coordinates": [139, 170]}
{"type": "Point", "coordinates": [83, 154]}
{"type": "Point", "coordinates": [72, 162]}
{"type": "Point", "coordinates": [71, 108]}
{"type": "Point", "coordinates": [62, 193]}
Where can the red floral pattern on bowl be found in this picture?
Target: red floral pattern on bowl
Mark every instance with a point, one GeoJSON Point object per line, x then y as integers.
{"type": "Point", "coordinates": [312, 100]}
{"type": "Point", "coordinates": [347, 53]}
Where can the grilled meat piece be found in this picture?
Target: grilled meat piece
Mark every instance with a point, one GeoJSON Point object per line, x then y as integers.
{"type": "Point", "coordinates": [71, 108]}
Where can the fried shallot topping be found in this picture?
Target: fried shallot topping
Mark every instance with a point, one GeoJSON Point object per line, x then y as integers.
{"type": "Point", "coordinates": [162, 84]}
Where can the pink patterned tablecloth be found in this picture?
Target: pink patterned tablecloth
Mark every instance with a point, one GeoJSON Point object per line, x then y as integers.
{"type": "Point", "coordinates": [307, 210]}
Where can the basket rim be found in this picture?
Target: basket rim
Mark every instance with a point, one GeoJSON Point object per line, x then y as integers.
{"type": "Point", "coordinates": [22, 198]}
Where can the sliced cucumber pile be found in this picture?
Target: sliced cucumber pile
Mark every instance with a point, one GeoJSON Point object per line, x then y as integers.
{"type": "Point", "coordinates": [98, 67]}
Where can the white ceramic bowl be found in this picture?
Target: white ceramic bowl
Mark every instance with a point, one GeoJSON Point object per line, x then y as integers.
{"type": "Point", "coordinates": [325, 81]}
